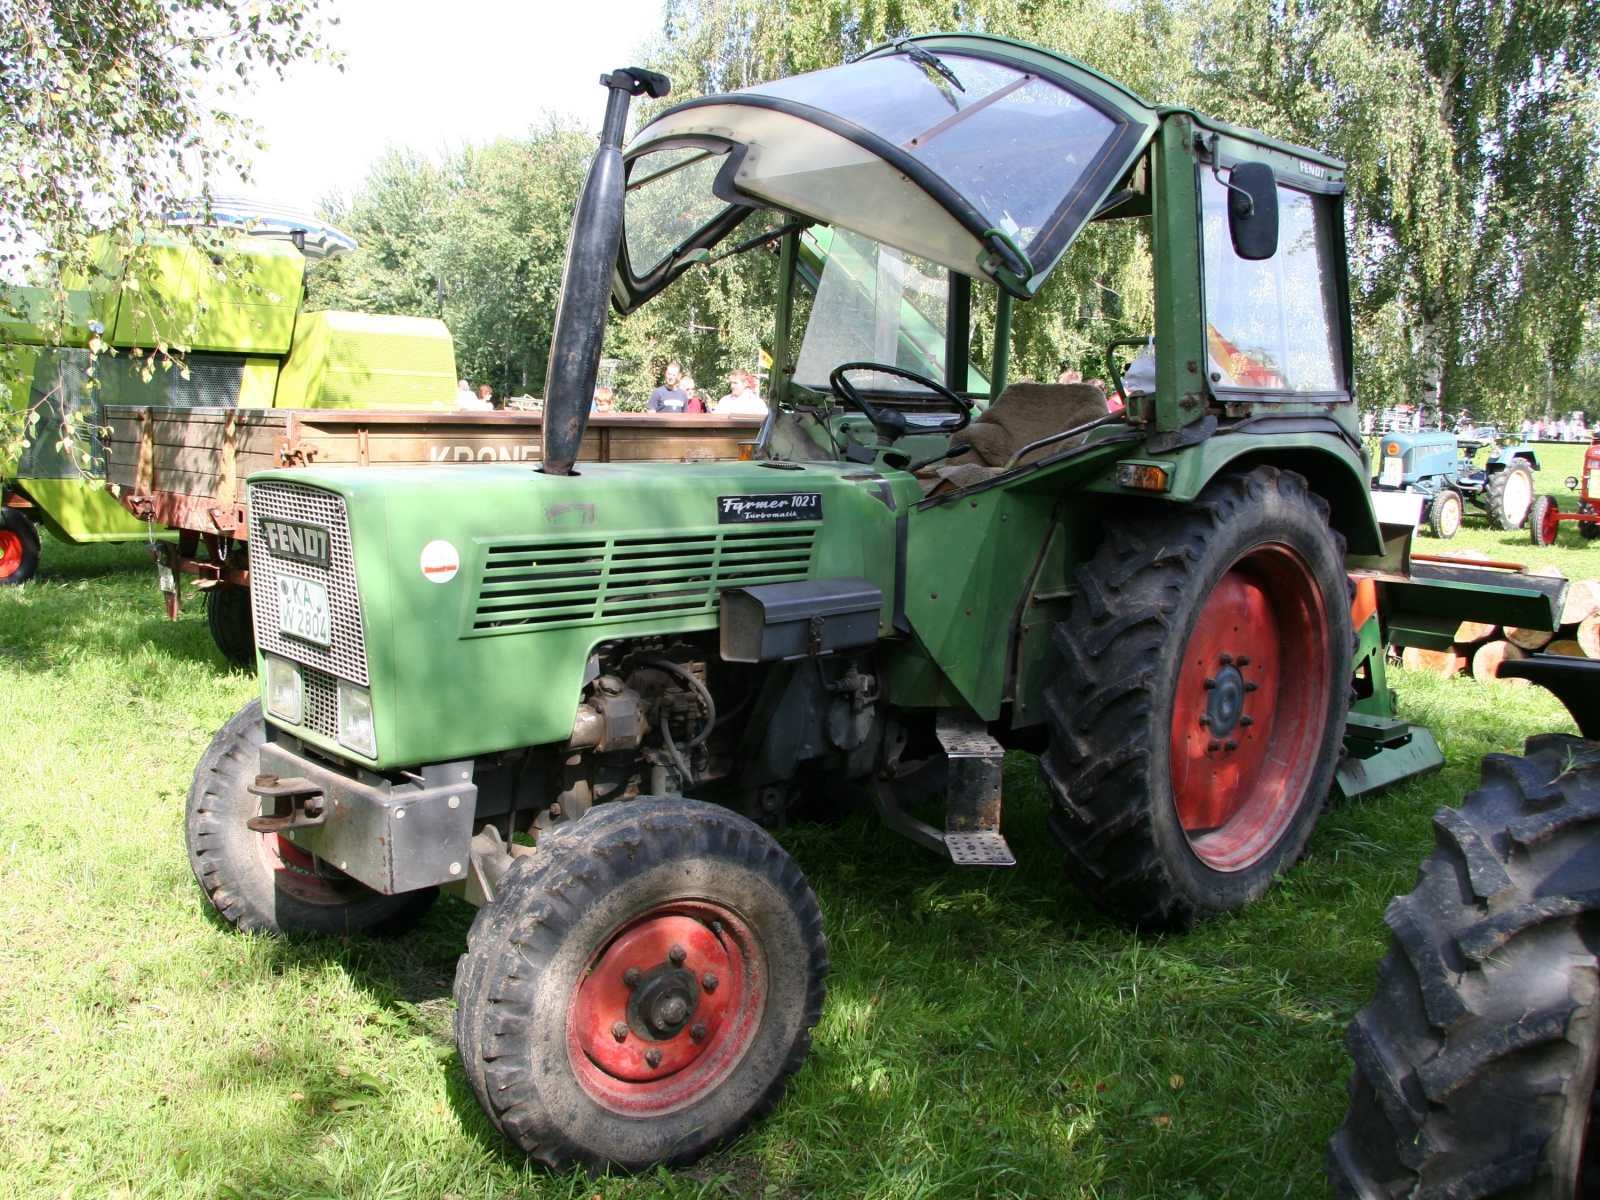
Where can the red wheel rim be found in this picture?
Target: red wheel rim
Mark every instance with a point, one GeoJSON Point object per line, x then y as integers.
{"type": "Point", "coordinates": [1549, 525]}
{"type": "Point", "coordinates": [1251, 708]}
{"type": "Point", "coordinates": [684, 985]}
{"type": "Point", "coordinates": [294, 870]}
{"type": "Point", "coordinates": [10, 553]}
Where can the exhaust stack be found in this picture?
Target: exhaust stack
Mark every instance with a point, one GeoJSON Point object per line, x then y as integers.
{"type": "Point", "coordinates": [586, 283]}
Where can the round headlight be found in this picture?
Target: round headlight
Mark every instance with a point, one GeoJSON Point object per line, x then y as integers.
{"type": "Point", "coordinates": [1572, 483]}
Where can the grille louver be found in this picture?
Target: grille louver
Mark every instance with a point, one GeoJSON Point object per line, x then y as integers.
{"type": "Point", "coordinates": [551, 584]}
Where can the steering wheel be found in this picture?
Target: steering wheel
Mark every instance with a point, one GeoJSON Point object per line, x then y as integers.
{"type": "Point", "coordinates": [891, 423]}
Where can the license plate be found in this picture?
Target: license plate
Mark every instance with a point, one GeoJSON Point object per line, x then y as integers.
{"type": "Point", "coordinates": [1394, 470]}
{"type": "Point", "coordinates": [303, 610]}
{"type": "Point", "coordinates": [166, 580]}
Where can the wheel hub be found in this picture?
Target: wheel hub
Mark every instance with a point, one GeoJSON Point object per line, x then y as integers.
{"type": "Point", "coordinates": [668, 995]}
{"type": "Point", "coordinates": [1225, 705]}
{"type": "Point", "coordinates": [10, 552]}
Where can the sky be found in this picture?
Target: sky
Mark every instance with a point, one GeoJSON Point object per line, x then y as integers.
{"type": "Point", "coordinates": [432, 77]}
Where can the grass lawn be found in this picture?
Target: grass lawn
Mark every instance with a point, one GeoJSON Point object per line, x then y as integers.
{"type": "Point", "coordinates": [987, 1033]}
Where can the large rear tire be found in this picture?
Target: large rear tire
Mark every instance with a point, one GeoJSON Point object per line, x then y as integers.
{"type": "Point", "coordinates": [641, 987]}
{"type": "Point", "coordinates": [19, 547]}
{"type": "Point", "coordinates": [263, 883]}
{"type": "Point", "coordinates": [1475, 1061]}
{"type": "Point", "coordinates": [1509, 495]}
{"type": "Point", "coordinates": [1196, 721]}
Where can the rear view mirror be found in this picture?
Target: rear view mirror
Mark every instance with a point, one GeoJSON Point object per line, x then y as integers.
{"type": "Point", "coordinates": [1253, 211]}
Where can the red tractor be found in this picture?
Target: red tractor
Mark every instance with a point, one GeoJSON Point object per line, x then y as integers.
{"type": "Point", "coordinates": [1544, 519]}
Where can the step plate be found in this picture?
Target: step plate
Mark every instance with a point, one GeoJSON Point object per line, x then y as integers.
{"type": "Point", "coordinates": [979, 850]}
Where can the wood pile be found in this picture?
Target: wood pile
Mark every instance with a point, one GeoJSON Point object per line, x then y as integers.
{"type": "Point", "coordinates": [1479, 649]}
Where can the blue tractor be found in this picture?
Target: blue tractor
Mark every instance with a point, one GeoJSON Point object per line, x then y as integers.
{"type": "Point", "coordinates": [1443, 467]}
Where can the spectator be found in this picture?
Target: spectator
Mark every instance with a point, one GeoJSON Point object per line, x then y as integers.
{"type": "Point", "coordinates": [1070, 377]}
{"type": "Point", "coordinates": [741, 400]}
{"type": "Point", "coordinates": [469, 401]}
{"type": "Point", "coordinates": [486, 397]}
{"type": "Point", "coordinates": [669, 397]}
{"type": "Point", "coordinates": [694, 404]}
{"type": "Point", "coordinates": [604, 402]}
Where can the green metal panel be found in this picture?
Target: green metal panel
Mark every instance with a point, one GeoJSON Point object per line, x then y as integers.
{"type": "Point", "coordinates": [444, 688]}
{"type": "Point", "coordinates": [1180, 323]}
{"type": "Point", "coordinates": [81, 510]}
{"type": "Point", "coordinates": [363, 360]}
{"type": "Point", "coordinates": [1362, 776]}
{"type": "Point", "coordinates": [206, 306]}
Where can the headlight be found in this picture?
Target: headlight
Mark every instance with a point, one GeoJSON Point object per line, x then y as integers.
{"type": "Point", "coordinates": [355, 720]}
{"type": "Point", "coordinates": [284, 691]}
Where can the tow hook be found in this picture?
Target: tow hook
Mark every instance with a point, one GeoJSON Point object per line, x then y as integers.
{"type": "Point", "coordinates": [307, 806]}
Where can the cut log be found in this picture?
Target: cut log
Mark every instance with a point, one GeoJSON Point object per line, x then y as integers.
{"type": "Point", "coordinates": [1443, 663]}
{"type": "Point", "coordinates": [1550, 571]}
{"type": "Point", "coordinates": [1528, 639]}
{"type": "Point", "coordinates": [1588, 636]}
{"type": "Point", "coordinates": [1583, 598]}
{"type": "Point", "coordinates": [1566, 646]}
{"type": "Point", "coordinates": [1474, 631]}
{"type": "Point", "coordinates": [1486, 662]}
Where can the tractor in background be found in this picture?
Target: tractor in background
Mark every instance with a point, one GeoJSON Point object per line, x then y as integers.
{"type": "Point", "coordinates": [1544, 522]}
{"type": "Point", "coordinates": [1443, 467]}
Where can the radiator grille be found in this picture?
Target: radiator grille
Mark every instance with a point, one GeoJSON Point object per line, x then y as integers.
{"type": "Point", "coordinates": [320, 708]}
{"type": "Point", "coordinates": [346, 657]}
{"type": "Point", "coordinates": [551, 584]}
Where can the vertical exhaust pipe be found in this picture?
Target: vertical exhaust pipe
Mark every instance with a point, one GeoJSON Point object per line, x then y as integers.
{"type": "Point", "coordinates": [580, 326]}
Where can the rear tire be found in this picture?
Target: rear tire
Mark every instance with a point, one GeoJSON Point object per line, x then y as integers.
{"type": "Point", "coordinates": [1197, 719]}
{"type": "Point", "coordinates": [1509, 495]}
{"type": "Point", "coordinates": [1543, 527]}
{"type": "Point", "coordinates": [232, 626]}
{"type": "Point", "coordinates": [1588, 530]}
{"type": "Point", "coordinates": [19, 547]}
{"type": "Point", "coordinates": [1444, 514]}
{"type": "Point", "coordinates": [1475, 1061]}
{"type": "Point", "coordinates": [259, 882]}
{"type": "Point", "coordinates": [543, 990]}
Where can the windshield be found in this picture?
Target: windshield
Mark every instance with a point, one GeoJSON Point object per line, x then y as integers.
{"type": "Point", "coordinates": [1271, 325]}
{"type": "Point", "coordinates": [1014, 145]}
{"type": "Point", "coordinates": [669, 200]}
{"type": "Point", "coordinates": [874, 304]}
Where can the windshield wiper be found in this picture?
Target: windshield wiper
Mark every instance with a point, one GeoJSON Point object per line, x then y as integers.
{"type": "Point", "coordinates": [924, 58]}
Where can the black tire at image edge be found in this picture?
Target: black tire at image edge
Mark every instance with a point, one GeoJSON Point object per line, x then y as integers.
{"type": "Point", "coordinates": [232, 625]}
{"type": "Point", "coordinates": [1475, 1059]}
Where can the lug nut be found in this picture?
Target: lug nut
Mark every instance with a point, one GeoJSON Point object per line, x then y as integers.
{"type": "Point", "coordinates": [1227, 660]}
{"type": "Point", "coordinates": [716, 928]}
{"type": "Point", "coordinates": [653, 1057]}
{"type": "Point", "coordinates": [677, 954]}
{"type": "Point", "coordinates": [631, 977]}
{"type": "Point", "coordinates": [1205, 718]}
{"type": "Point", "coordinates": [620, 1031]}
{"type": "Point", "coordinates": [697, 1031]}
{"type": "Point", "coordinates": [1230, 744]}
{"type": "Point", "coordinates": [1250, 685]}
{"type": "Point", "coordinates": [1210, 683]}
{"type": "Point", "coordinates": [1247, 720]}
{"type": "Point", "coordinates": [709, 981]}
{"type": "Point", "coordinates": [1241, 661]}
{"type": "Point", "coordinates": [1213, 745]}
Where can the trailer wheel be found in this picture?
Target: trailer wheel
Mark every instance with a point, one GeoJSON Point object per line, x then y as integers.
{"type": "Point", "coordinates": [232, 626]}
{"type": "Point", "coordinates": [1509, 495]}
{"type": "Point", "coordinates": [19, 547]}
{"type": "Point", "coordinates": [1588, 530]}
{"type": "Point", "coordinates": [1444, 513]}
{"type": "Point", "coordinates": [1196, 721]}
{"type": "Point", "coordinates": [264, 883]}
{"type": "Point", "coordinates": [641, 987]}
{"type": "Point", "coordinates": [1543, 525]}
{"type": "Point", "coordinates": [1475, 1060]}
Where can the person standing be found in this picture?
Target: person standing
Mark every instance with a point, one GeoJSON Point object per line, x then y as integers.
{"type": "Point", "coordinates": [741, 400]}
{"type": "Point", "coordinates": [669, 397]}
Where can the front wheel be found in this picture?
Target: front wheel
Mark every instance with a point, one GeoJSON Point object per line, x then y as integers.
{"type": "Point", "coordinates": [232, 626]}
{"type": "Point", "coordinates": [641, 987]}
{"type": "Point", "coordinates": [1509, 495]}
{"type": "Point", "coordinates": [1444, 514]}
{"type": "Point", "coordinates": [1544, 522]}
{"type": "Point", "coordinates": [1196, 721]}
{"type": "Point", "coordinates": [19, 547]}
{"type": "Point", "coordinates": [263, 882]}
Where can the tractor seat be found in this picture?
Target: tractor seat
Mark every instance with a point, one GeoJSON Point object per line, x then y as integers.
{"type": "Point", "coordinates": [1025, 412]}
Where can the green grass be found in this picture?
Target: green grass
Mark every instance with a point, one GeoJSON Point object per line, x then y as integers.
{"type": "Point", "coordinates": [987, 1033]}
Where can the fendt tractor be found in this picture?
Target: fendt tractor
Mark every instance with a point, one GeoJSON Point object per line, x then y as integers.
{"type": "Point", "coordinates": [579, 696]}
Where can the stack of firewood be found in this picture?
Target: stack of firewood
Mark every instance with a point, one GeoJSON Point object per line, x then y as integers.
{"type": "Point", "coordinates": [1480, 649]}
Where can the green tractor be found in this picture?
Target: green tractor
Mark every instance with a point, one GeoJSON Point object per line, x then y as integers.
{"type": "Point", "coordinates": [579, 697]}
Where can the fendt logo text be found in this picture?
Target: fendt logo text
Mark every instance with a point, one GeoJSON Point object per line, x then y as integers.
{"type": "Point", "coordinates": [291, 539]}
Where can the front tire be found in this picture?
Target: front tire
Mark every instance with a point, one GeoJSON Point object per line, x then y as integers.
{"type": "Point", "coordinates": [263, 883]}
{"type": "Point", "coordinates": [1544, 526]}
{"type": "Point", "coordinates": [1444, 514]}
{"type": "Point", "coordinates": [1509, 495]}
{"type": "Point", "coordinates": [641, 987]}
{"type": "Point", "coordinates": [1196, 721]}
{"type": "Point", "coordinates": [19, 548]}
{"type": "Point", "coordinates": [1475, 1060]}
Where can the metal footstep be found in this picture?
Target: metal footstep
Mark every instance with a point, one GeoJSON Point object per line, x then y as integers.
{"type": "Point", "coordinates": [971, 836]}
